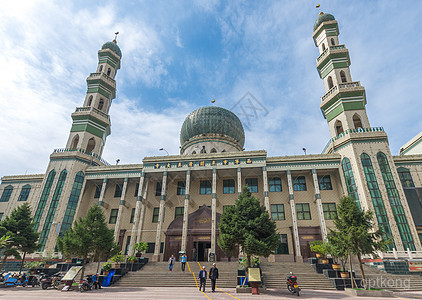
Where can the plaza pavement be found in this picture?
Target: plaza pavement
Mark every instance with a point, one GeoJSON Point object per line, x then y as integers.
{"type": "Point", "coordinates": [178, 293]}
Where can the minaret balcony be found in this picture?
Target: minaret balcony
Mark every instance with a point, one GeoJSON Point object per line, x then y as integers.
{"type": "Point", "coordinates": [92, 111]}
{"type": "Point", "coordinates": [333, 57]}
{"type": "Point", "coordinates": [81, 154]}
{"type": "Point", "coordinates": [350, 135]}
{"type": "Point", "coordinates": [346, 87]}
{"type": "Point", "coordinates": [104, 77]}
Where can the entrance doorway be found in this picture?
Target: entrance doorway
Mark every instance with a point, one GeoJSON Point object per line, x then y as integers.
{"type": "Point", "coordinates": [201, 249]}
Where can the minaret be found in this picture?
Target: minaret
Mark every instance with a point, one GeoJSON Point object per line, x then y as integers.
{"type": "Point", "coordinates": [91, 122]}
{"type": "Point", "coordinates": [367, 165]}
{"type": "Point", "coordinates": [64, 180]}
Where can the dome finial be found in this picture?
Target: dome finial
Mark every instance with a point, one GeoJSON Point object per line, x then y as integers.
{"type": "Point", "coordinates": [115, 38]}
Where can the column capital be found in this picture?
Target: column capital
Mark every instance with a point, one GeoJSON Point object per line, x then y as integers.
{"type": "Point", "coordinates": [214, 170]}
{"type": "Point", "coordinates": [188, 172]}
{"type": "Point", "coordinates": [314, 171]}
{"type": "Point", "coordinates": [289, 172]}
{"type": "Point", "coordinates": [126, 179]}
{"type": "Point", "coordinates": [143, 174]}
{"type": "Point", "coordinates": [264, 168]}
{"type": "Point", "coordinates": [165, 173]}
{"type": "Point", "coordinates": [239, 169]}
{"type": "Point", "coordinates": [105, 180]}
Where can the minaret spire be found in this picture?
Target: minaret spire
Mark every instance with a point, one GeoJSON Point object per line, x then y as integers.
{"type": "Point", "coordinates": [115, 37]}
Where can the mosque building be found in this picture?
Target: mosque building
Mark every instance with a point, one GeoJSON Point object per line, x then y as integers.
{"type": "Point", "coordinates": [174, 202]}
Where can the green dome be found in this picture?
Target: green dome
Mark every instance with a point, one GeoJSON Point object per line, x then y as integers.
{"type": "Point", "coordinates": [212, 119]}
{"type": "Point", "coordinates": [113, 47]}
{"type": "Point", "coordinates": [323, 18]}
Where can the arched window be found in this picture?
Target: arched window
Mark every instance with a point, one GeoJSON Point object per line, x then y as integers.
{"type": "Point", "coordinates": [333, 42]}
{"type": "Point", "coordinates": [330, 82]}
{"type": "Point", "coordinates": [343, 76]}
{"type": "Point", "coordinates": [75, 142]}
{"type": "Point", "coordinates": [224, 150]}
{"type": "Point", "coordinates": [339, 127]}
{"type": "Point", "coordinates": [405, 178]}
{"type": "Point", "coordinates": [72, 203]}
{"type": "Point", "coordinates": [108, 72]}
{"type": "Point", "coordinates": [213, 150]}
{"type": "Point", "coordinates": [89, 101]}
{"type": "Point", "coordinates": [376, 197]}
{"type": "Point", "coordinates": [101, 69]}
{"type": "Point", "coordinates": [194, 152]}
{"type": "Point", "coordinates": [23, 196]}
{"type": "Point", "coordinates": [350, 181]}
{"type": "Point", "coordinates": [7, 192]}
{"type": "Point", "coordinates": [43, 199]}
{"type": "Point", "coordinates": [323, 47]}
{"type": "Point", "coordinates": [394, 198]}
{"type": "Point", "coordinates": [101, 104]}
{"type": "Point", "coordinates": [52, 209]}
{"type": "Point", "coordinates": [90, 146]}
{"type": "Point", "coordinates": [357, 122]}
{"type": "Point", "coordinates": [203, 150]}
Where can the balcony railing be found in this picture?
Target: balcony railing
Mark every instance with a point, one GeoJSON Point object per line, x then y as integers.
{"type": "Point", "coordinates": [93, 109]}
{"type": "Point", "coordinates": [108, 78]}
{"type": "Point", "coordinates": [340, 86]}
{"type": "Point", "coordinates": [331, 48]}
{"type": "Point", "coordinates": [351, 131]}
{"type": "Point", "coordinates": [63, 150]}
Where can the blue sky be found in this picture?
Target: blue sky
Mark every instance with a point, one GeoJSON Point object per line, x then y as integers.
{"type": "Point", "coordinates": [179, 55]}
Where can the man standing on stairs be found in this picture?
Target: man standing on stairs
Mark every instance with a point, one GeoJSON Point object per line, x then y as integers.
{"type": "Point", "coordinates": [171, 262]}
{"type": "Point", "coordinates": [213, 276]}
{"type": "Point", "coordinates": [183, 260]}
{"type": "Point", "coordinates": [202, 278]}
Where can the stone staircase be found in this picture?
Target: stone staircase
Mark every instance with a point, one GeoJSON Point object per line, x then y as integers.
{"type": "Point", "coordinates": [381, 279]}
{"type": "Point", "coordinates": [156, 274]}
{"type": "Point", "coordinates": [274, 276]}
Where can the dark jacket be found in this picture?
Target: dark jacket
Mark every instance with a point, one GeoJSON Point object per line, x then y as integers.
{"type": "Point", "coordinates": [213, 273]}
{"type": "Point", "coordinates": [201, 274]}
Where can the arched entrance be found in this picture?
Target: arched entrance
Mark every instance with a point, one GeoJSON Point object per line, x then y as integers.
{"type": "Point", "coordinates": [198, 241]}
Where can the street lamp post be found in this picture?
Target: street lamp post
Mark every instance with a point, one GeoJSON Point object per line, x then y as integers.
{"type": "Point", "coordinates": [162, 149]}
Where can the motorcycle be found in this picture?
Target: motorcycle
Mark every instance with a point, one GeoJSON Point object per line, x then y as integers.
{"type": "Point", "coordinates": [50, 281]}
{"type": "Point", "coordinates": [86, 284]}
{"type": "Point", "coordinates": [292, 284]}
{"type": "Point", "coordinates": [14, 280]}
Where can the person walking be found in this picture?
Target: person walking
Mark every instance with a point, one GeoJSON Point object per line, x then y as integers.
{"type": "Point", "coordinates": [213, 276]}
{"type": "Point", "coordinates": [171, 262]}
{"type": "Point", "coordinates": [183, 260]}
{"type": "Point", "coordinates": [202, 278]}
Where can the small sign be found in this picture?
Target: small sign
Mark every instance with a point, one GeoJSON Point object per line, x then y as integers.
{"type": "Point", "coordinates": [213, 163]}
{"type": "Point", "coordinates": [157, 166]}
{"type": "Point", "coordinates": [415, 265]}
{"type": "Point", "coordinates": [225, 162]}
{"type": "Point", "coordinates": [190, 164]}
{"type": "Point", "coordinates": [168, 165]}
{"type": "Point", "coordinates": [254, 275]}
{"type": "Point", "coordinates": [237, 161]}
{"type": "Point", "coordinates": [179, 164]}
{"type": "Point", "coordinates": [202, 163]}
{"type": "Point", "coordinates": [249, 161]}
{"type": "Point", "coordinates": [71, 274]}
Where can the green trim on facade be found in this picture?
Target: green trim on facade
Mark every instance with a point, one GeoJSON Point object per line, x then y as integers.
{"type": "Point", "coordinates": [357, 94]}
{"type": "Point", "coordinates": [88, 128]}
{"type": "Point", "coordinates": [110, 56]}
{"type": "Point", "coordinates": [334, 65]}
{"type": "Point", "coordinates": [326, 26]}
{"type": "Point", "coordinates": [363, 141]}
{"type": "Point", "coordinates": [344, 54]}
{"type": "Point", "coordinates": [89, 117]}
{"type": "Point", "coordinates": [99, 90]}
{"type": "Point", "coordinates": [344, 106]}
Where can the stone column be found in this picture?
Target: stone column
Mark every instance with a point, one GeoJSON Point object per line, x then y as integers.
{"type": "Point", "coordinates": [142, 214]}
{"type": "Point", "coordinates": [239, 181]}
{"type": "Point", "coordinates": [266, 194]}
{"type": "Point", "coordinates": [137, 211]}
{"type": "Point", "coordinates": [103, 188]}
{"type": "Point", "coordinates": [122, 205]}
{"type": "Point", "coordinates": [319, 206]}
{"type": "Point", "coordinates": [156, 256]}
{"type": "Point", "coordinates": [186, 213]}
{"type": "Point", "coordinates": [293, 209]}
{"type": "Point", "coordinates": [214, 210]}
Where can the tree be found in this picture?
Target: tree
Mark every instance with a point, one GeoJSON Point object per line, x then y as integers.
{"type": "Point", "coordinates": [19, 227]}
{"type": "Point", "coordinates": [355, 232]}
{"type": "Point", "coordinates": [248, 225]}
{"type": "Point", "coordinates": [89, 237]}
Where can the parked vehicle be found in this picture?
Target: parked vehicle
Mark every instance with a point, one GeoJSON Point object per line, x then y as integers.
{"type": "Point", "coordinates": [10, 280]}
{"type": "Point", "coordinates": [50, 281]}
{"type": "Point", "coordinates": [86, 284]}
{"type": "Point", "coordinates": [292, 284]}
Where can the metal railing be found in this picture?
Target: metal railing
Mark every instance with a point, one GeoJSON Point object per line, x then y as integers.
{"type": "Point", "coordinates": [62, 150]}
{"type": "Point", "coordinates": [352, 131]}
{"type": "Point", "coordinates": [108, 78]}
{"type": "Point", "coordinates": [93, 109]}
{"type": "Point", "coordinates": [340, 86]}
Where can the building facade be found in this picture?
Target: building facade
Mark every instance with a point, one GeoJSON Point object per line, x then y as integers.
{"type": "Point", "coordinates": [174, 202]}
